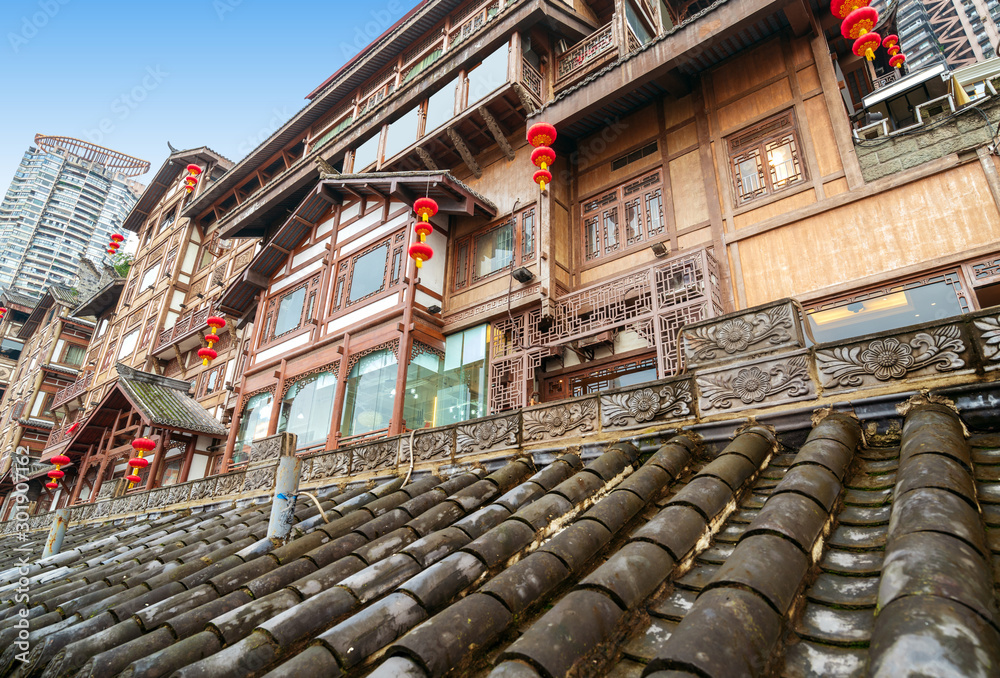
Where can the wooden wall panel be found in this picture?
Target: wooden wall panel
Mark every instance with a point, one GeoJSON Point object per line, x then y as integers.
{"type": "Point", "coordinates": [824, 142]}
{"type": "Point", "coordinates": [602, 177]}
{"type": "Point", "coordinates": [788, 204]}
{"type": "Point", "coordinates": [610, 142]}
{"type": "Point", "coordinates": [616, 267]}
{"type": "Point", "coordinates": [835, 187]}
{"type": "Point", "coordinates": [748, 70]}
{"type": "Point", "coordinates": [801, 51]}
{"type": "Point", "coordinates": [685, 137]}
{"type": "Point", "coordinates": [688, 188]}
{"type": "Point", "coordinates": [701, 236]}
{"type": "Point", "coordinates": [506, 181]}
{"type": "Point", "coordinates": [560, 234]}
{"type": "Point", "coordinates": [808, 79]}
{"type": "Point", "coordinates": [753, 105]}
{"type": "Point", "coordinates": [678, 111]}
{"type": "Point", "coordinates": [905, 226]}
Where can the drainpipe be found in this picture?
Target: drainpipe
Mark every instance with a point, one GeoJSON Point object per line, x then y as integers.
{"type": "Point", "coordinates": [286, 487]}
{"type": "Point", "coordinates": [54, 543]}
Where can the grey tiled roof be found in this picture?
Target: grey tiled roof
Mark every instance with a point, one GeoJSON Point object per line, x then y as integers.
{"type": "Point", "coordinates": [166, 401]}
{"type": "Point", "coordinates": [16, 297]}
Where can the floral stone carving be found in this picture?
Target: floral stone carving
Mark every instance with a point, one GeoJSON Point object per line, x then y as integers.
{"type": "Point", "coordinates": [764, 330]}
{"type": "Point", "coordinates": [742, 387]}
{"type": "Point", "coordinates": [331, 465]}
{"type": "Point", "coordinates": [203, 489]}
{"type": "Point", "coordinates": [230, 483]}
{"type": "Point", "coordinates": [374, 456]}
{"type": "Point", "coordinates": [633, 408]}
{"type": "Point", "coordinates": [557, 421]}
{"type": "Point", "coordinates": [888, 358]}
{"type": "Point", "coordinates": [487, 434]}
{"type": "Point", "coordinates": [989, 337]}
{"type": "Point", "coordinates": [427, 446]}
{"type": "Point", "coordinates": [259, 479]}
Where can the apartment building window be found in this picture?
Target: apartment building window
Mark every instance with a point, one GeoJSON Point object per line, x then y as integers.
{"type": "Point", "coordinates": [765, 158]}
{"type": "Point", "coordinates": [363, 275]}
{"type": "Point", "coordinates": [498, 247]}
{"type": "Point", "coordinates": [626, 216]}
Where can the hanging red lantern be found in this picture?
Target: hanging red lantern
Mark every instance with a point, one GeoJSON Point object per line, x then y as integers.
{"type": "Point", "coordinates": [111, 251]}
{"type": "Point", "coordinates": [897, 60]}
{"type": "Point", "coordinates": [117, 237]}
{"type": "Point", "coordinates": [207, 354]}
{"type": "Point", "coordinates": [138, 462]}
{"type": "Point", "coordinates": [143, 445]}
{"type": "Point", "coordinates": [216, 322]}
{"type": "Point", "coordinates": [890, 41]}
{"type": "Point", "coordinates": [53, 485]}
{"type": "Point", "coordinates": [194, 170]}
{"type": "Point", "coordinates": [211, 339]}
{"type": "Point", "coordinates": [132, 480]}
{"type": "Point", "coordinates": [56, 474]}
{"type": "Point", "coordinates": [866, 45]}
{"type": "Point", "coordinates": [859, 22]}
{"type": "Point", "coordinates": [3, 312]}
{"type": "Point", "coordinates": [60, 460]}
{"type": "Point", "coordinates": [842, 8]}
{"type": "Point", "coordinates": [893, 51]}
{"type": "Point", "coordinates": [542, 177]}
{"type": "Point", "coordinates": [541, 134]}
{"type": "Point", "coordinates": [542, 157]}
{"type": "Point", "coordinates": [425, 208]}
{"type": "Point", "coordinates": [71, 429]}
{"type": "Point", "coordinates": [421, 252]}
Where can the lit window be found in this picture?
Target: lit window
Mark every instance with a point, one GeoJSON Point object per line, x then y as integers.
{"type": "Point", "coordinates": [369, 394]}
{"type": "Point", "coordinates": [765, 158]}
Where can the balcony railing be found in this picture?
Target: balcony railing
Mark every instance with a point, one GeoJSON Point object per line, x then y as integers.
{"type": "Point", "coordinates": [77, 388]}
{"type": "Point", "coordinates": [186, 324]}
{"type": "Point", "coordinates": [596, 50]}
{"type": "Point", "coordinates": [61, 434]}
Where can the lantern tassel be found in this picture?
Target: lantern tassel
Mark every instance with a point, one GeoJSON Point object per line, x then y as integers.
{"type": "Point", "coordinates": [869, 54]}
{"type": "Point", "coordinates": [542, 184]}
{"type": "Point", "coordinates": [420, 262]}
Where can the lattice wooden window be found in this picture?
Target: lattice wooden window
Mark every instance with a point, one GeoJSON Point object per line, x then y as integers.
{"type": "Point", "coordinates": [211, 381]}
{"type": "Point", "coordinates": [627, 216]}
{"type": "Point", "coordinates": [288, 310]}
{"type": "Point", "coordinates": [494, 249]}
{"type": "Point", "coordinates": [109, 354]}
{"type": "Point", "coordinates": [765, 158]}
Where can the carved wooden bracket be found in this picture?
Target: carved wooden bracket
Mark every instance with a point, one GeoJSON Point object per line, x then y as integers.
{"type": "Point", "coordinates": [498, 134]}
{"type": "Point", "coordinates": [428, 160]}
{"type": "Point", "coordinates": [463, 150]}
{"type": "Point", "coordinates": [325, 168]}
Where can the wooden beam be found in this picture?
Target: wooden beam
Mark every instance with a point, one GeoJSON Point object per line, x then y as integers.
{"type": "Point", "coordinates": [325, 168]}
{"type": "Point", "coordinates": [425, 157]}
{"type": "Point", "coordinates": [798, 17]}
{"type": "Point", "coordinates": [497, 133]}
{"type": "Point", "coordinates": [463, 150]}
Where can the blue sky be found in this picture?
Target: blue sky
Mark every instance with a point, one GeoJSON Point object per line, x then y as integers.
{"type": "Point", "coordinates": [133, 75]}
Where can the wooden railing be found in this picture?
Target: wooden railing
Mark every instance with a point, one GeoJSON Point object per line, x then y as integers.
{"type": "Point", "coordinates": [593, 51]}
{"type": "Point", "coordinates": [60, 434]}
{"type": "Point", "coordinates": [64, 395]}
{"type": "Point", "coordinates": [186, 324]}
{"type": "Point", "coordinates": [531, 79]}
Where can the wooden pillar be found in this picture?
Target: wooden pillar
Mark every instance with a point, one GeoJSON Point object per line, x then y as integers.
{"type": "Point", "coordinates": [188, 458]}
{"type": "Point", "coordinates": [98, 481]}
{"type": "Point", "coordinates": [159, 453]}
{"type": "Point", "coordinates": [272, 423]}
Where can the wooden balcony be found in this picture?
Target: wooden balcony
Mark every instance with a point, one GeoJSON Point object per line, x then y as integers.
{"type": "Point", "coordinates": [60, 434]}
{"type": "Point", "coordinates": [77, 389]}
{"type": "Point", "coordinates": [600, 48]}
{"type": "Point", "coordinates": [185, 334]}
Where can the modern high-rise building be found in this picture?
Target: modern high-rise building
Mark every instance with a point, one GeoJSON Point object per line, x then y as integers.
{"type": "Point", "coordinates": [953, 32]}
{"type": "Point", "coordinates": [67, 197]}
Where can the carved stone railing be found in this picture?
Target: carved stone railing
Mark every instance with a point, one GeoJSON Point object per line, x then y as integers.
{"type": "Point", "coordinates": [590, 53]}
{"type": "Point", "coordinates": [186, 325]}
{"type": "Point", "coordinates": [65, 395]}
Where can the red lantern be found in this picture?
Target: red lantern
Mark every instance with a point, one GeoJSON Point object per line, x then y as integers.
{"type": "Point", "coordinates": [56, 474]}
{"type": "Point", "coordinates": [841, 8]}
{"type": "Point", "coordinates": [191, 181]}
{"type": "Point", "coordinates": [541, 134]}
{"type": "Point", "coordinates": [890, 41]}
{"type": "Point", "coordinates": [143, 445]}
{"type": "Point", "coordinates": [425, 208]}
{"type": "Point", "coordinates": [421, 252]}
{"type": "Point", "coordinates": [133, 479]}
{"type": "Point", "coordinates": [211, 339]}
{"type": "Point", "coordinates": [111, 251]}
{"type": "Point", "coordinates": [207, 354]}
{"type": "Point", "coordinates": [423, 229]}
{"type": "Point", "coordinates": [60, 459]}
{"type": "Point", "coordinates": [216, 322]}
{"type": "Point", "coordinates": [859, 22]}
{"type": "Point", "coordinates": [138, 462]}
{"type": "Point", "coordinates": [194, 170]}
{"type": "Point", "coordinates": [542, 157]}
{"type": "Point", "coordinates": [893, 51]}
{"type": "Point", "coordinates": [866, 45]}
{"type": "Point", "coordinates": [71, 429]}
{"type": "Point", "coordinates": [897, 60]}
{"type": "Point", "coordinates": [542, 177]}
{"type": "Point", "coordinates": [52, 485]}
{"type": "Point", "coordinates": [117, 237]}
{"type": "Point", "coordinates": [3, 312]}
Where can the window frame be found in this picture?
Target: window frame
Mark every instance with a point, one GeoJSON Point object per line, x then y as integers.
{"type": "Point", "coordinates": [462, 273]}
{"type": "Point", "coordinates": [752, 142]}
{"type": "Point", "coordinates": [306, 313]}
{"type": "Point", "coordinates": [392, 275]}
{"type": "Point", "coordinates": [644, 188]}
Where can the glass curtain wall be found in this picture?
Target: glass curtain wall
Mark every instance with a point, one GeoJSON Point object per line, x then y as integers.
{"type": "Point", "coordinates": [307, 409]}
{"type": "Point", "coordinates": [253, 425]}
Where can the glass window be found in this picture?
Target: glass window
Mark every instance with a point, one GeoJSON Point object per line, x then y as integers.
{"type": "Point", "coordinates": [171, 473]}
{"type": "Point", "coordinates": [440, 107]}
{"type": "Point", "coordinates": [899, 308]}
{"type": "Point", "coordinates": [462, 391]}
{"type": "Point", "coordinates": [253, 425]}
{"type": "Point", "coordinates": [307, 408]}
{"type": "Point", "coordinates": [369, 394]}
{"type": "Point", "coordinates": [74, 355]}
{"type": "Point", "coordinates": [128, 344]}
{"type": "Point", "coordinates": [765, 158]}
{"type": "Point", "coordinates": [423, 376]}
{"type": "Point", "coordinates": [289, 312]}
{"type": "Point", "coordinates": [401, 133]}
{"type": "Point", "coordinates": [489, 75]}
{"type": "Point", "coordinates": [365, 154]}
{"type": "Point", "coordinates": [368, 274]}
{"type": "Point", "coordinates": [494, 250]}
{"type": "Point", "coordinates": [149, 277]}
